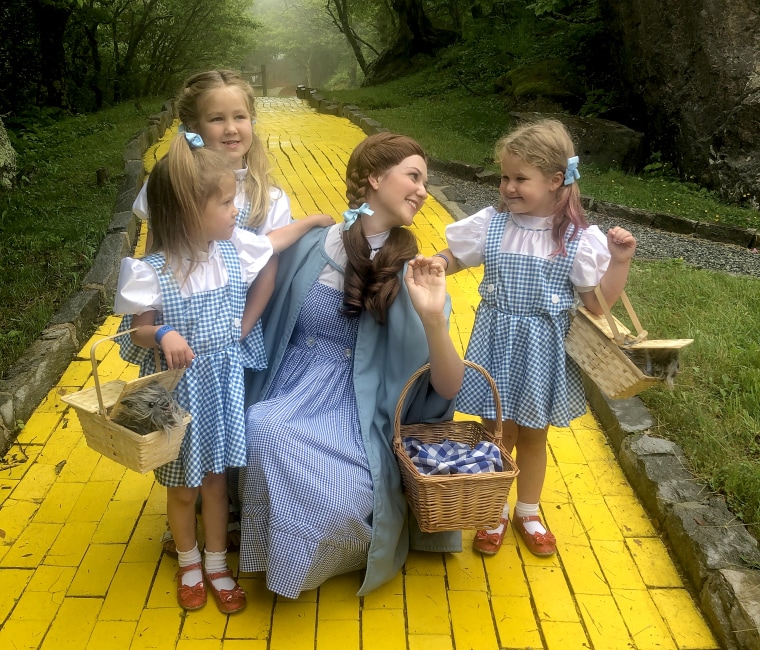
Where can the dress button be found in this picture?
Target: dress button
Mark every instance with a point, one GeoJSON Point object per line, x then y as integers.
{"type": "Point", "coordinates": [555, 298]}
{"type": "Point", "coordinates": [348, 353]}
{"type": "Point", "coordinates": [310, 341]}
{"type": "Point", "coordinates": [236, 322]}
{"type": "Point", "coordinates": [490, 288]}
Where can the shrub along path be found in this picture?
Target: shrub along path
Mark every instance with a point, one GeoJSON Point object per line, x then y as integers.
{"type": "Point", "coordinates": [81, 563]}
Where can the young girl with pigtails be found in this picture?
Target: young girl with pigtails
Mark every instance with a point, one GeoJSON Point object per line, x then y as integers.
{"type": "Point", "coordinates": [186, 298]}
{"type": "Point", "coordinates": [538, 251]}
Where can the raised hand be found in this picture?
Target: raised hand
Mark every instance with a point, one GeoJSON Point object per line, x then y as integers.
{"type": "Point", "coordinates": [425, 280]}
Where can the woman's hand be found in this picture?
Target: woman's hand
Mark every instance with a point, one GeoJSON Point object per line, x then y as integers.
{"type": "Point", "coordinates": [425, 280]}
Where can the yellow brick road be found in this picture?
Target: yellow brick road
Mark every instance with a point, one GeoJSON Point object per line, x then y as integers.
{"type": "Point", "coordinates": [81, 564]}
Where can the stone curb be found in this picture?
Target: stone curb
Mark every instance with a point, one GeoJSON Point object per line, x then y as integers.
{"type": "Point", "coordinates": [714, 551]}
{"type": "Point", "coordinates": [38, 369]}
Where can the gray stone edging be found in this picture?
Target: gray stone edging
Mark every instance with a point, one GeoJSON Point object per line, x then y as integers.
{"type": "Point", "coordinates": [713, 549]}
{"type": "Point", "coordinates": [39, 368]}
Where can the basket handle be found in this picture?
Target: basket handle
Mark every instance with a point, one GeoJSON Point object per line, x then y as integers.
{"type": "Point", "coordinates": [425, 368]}
{"type": "Point", "coordinates": [641, 333]}
{"type": "Point", "coordinates": [94, 361]}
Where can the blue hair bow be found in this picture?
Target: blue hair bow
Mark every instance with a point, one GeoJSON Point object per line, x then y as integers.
{"type": "Point", "coordinates": [351, 214]}
{"type": "Point", "coordinates": [571, 173]}
{"type": "Point", "coordinates": [193, 139]}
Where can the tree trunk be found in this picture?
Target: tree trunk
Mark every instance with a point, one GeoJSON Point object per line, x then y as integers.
{"type": "Point", "coordinates": [338, 10]}
{"type": "Point", "coordinates": [52, 18]}
{"type": "Point", "coordinates": [416, 35]}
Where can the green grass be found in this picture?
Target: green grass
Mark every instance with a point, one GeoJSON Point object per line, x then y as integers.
{"type": "Point", "coordinates": [52, 224]}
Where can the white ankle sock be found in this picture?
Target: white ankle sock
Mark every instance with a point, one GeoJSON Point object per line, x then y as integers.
{"type": "Point", "coordinates": [529, 510]}
{"type": "Point", "coordinates": [216, 563]}
{"type": "Point", "coordinates": [186, 558]}
{"type": "Point", "coordinates": [504, 515]}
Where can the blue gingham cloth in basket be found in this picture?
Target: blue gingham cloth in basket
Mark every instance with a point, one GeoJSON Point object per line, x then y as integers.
{"type": "Point", "coordinates": [450, 457]}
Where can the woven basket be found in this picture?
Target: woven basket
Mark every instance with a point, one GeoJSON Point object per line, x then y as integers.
{"type": "Point", "coordinates": [95, 406]}
{"type": "Point", "coordinates": [457, 501]}
{"type": "Point", "coordinates": [596, 344]}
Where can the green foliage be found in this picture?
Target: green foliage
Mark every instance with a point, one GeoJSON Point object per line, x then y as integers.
{"type": "Point", "coordinates": [53, 222]}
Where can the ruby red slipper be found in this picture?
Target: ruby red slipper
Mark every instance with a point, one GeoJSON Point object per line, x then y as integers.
{"type": "Point", "coordinates": [490, 543]}
{"type": "Point", "coordinates": [541, 544]}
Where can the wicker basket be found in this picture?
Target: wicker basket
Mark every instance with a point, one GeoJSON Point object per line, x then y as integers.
{"type": "Point", "coordinates": [95, 406]}
{"type": "Point", "coordinates": [457, 501]}
{"type": "Point", "coordinates": [596, 344]}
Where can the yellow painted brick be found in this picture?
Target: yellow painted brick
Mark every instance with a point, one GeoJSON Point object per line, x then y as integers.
{"type": "Point", "coordinates": [63, 441]}
{"type": "Point", "coordinates": [610, 478]}
{"type": "Point", "coordinates": [73, 625]}
{"type": "Point", "coordinates": [52, 402]}
{"type": "Point", "coordinates": [156, 503]}
{"type": "Point", "coordinates": [505, 572]}
{"type": "Point", "coordinates": [293, 626]}
{"type": "Point", "coordinates": [515, 622]}
{"type": "Point", "coordinates": [654, 562]}
{"type": "Point", "coordinates": [58, 503]}
{"type": "Point", "coordinates": [604, 624]}
{"type": "Point", "coordinates": [551, 594]}
{"type": "Point", "coordinates": [198, 644]}
{"type": "Point", "coordinates": [619, 568]}
{"type": "Point", "coordinates": [555, 488]}
{"type": "Point", "coordinates": [387, 596]}
{"type": "Point", "coordinates": [114, 635]}
{"type": "Point", "coordinates": [6, 489]}
{"type": "Point", "coordinates": [343, 634]}
{"type": "Point", "coordinates": [564, 447]}
{"type": "Point", "coordinates": [14, 517]}
{"type": "Point", "coordinates": [51, 579]}
{"type": "Point", "coordinates": [128, 592]}
{"type": "Point", "coordinates": [236, 644]}
{"type": "Point", "coordinates": [580, 481]}
{"type": "Point", "coordinates": [583, 571]}
{"type": "Point", "coordinates": [644, 622]}
{"type": "Point", "coordinates": [93, 501]}
{"type": "Point", "coordinates": [79, 465]}
{"type": "Point", "coordinates": [471, 620]}
{"type": "Point", "coordinates": [117, 522]}
{"type": "Point", "coordinates": [96, 570]}
{"type": "Point", "coordinates": [134, 486]}
{"type": "Point", "coordinates": [383, 629]}
{"type": "Point", "coordinates": [254, 622]}
{"type": "Point", "coordinates": [17, 461]}
{"type": "Point", "coordinates": [684, 620]}
{"type": "Point", "coordinates": [76, 375]}
{"type": "Point", "coordinates": [157, 628]}
{"type": "Point", "coordinates": [163, 593]}
{"type": "Point", "coordinates": [562, 636]}
{"type": "Point", "coordinates": [630, 516]}
{"type": "Point", "coordinates": [427, 608]}
{"type": "Point", "coordinates": [38, 428]}
{"type": "Point", "coordinates": [36, 483]}
{"type": "Point", "coordinates": [145, 543]}
{"type": "Point", "coordinates": [21, 635]}
{"type": "Point", "coordinates": [37, 606]}
{"type": "Point", "coordinates": [14, 582]}
{"type": "Point", "coordinates": [337, 598]}
{"type": "Point", "coordinates": [430, 642]}
{"type": "Point", "coordinates": [424, 564]}
{"type": "Point", "coordinates": [32, 545]}
{"type": "Point", "coordinates": [205, 623]}
{"type": "Point", "coordinates": [597, 519]}
{"type": "Point", "coordinates": [465, 571]}
{"type": "Point", "coordinates": [71, 544]}
{"type": "Point", "coordinates": [108, 470]}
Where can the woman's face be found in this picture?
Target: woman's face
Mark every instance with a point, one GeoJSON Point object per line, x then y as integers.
{"type": "Point", "coordinates": [396, 195]}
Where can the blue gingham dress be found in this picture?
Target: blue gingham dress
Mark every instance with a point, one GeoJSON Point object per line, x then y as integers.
{"type": "Point", "coordinates": [518, 336]}
{"type": "Point", "coordinates": [212, 389]}
{"type": "Point", "coordinates": [307, 521]}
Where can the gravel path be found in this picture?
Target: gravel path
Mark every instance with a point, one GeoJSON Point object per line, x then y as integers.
{"type": "Point", "coordinates": [652, 244]}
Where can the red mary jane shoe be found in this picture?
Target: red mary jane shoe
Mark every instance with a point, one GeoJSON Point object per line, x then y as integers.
{"type": "Point", "coordinates": [194, 597]}
{"type": "Point", "coordinates": [490, 543]}
{"type": "Point", "coordinates": [228, 601]}
{"type": "Point", "coordinates": [537, 543]}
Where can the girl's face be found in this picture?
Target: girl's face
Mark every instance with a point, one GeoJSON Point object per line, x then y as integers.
{"type": "Point", "coordinates": [220, 211]}
{"type": "Point", "coordinates": [225, 123]}
{"type": "Point", "coordinates": [396, 195]}
{"type": "Point", "coordinates": [526, 189]}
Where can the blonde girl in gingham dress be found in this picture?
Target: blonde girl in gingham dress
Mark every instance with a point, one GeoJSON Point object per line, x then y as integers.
{"type": "Point", "coordinates": [187, 299]}
{"type": "Point", "coordinates": [537, 251]}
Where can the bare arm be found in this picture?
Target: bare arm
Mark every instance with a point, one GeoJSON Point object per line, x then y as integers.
{"type": "Point", "coordinates": [426, 281]}
{"type": "Point", "coordinates": [622, 245]}
{"type": "Point", "coordinates": [286, 236]}
{"type": "Point", "coordinates": [450, 263]}
{"type": "Point", "coordinates": [259, 293]}
{"type": "Point", "coordinates": [176, 350]}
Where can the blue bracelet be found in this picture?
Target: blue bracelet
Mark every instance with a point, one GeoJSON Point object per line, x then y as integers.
{"type": "Point", "coordinates": [444, 257]}
{"type": "Point", "coordinates": [161, 331]}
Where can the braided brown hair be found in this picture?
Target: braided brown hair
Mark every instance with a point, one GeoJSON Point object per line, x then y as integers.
{"type": "Point", "coordinates": [373, 284]}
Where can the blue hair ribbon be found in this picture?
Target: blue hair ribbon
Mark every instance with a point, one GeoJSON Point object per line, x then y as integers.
{"type": "Point", "coordinates": [571, 173]}
{"type": "Point", "coordinates": [351, 214]}
{"type": "Point", "coordinates": [193, 139]}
